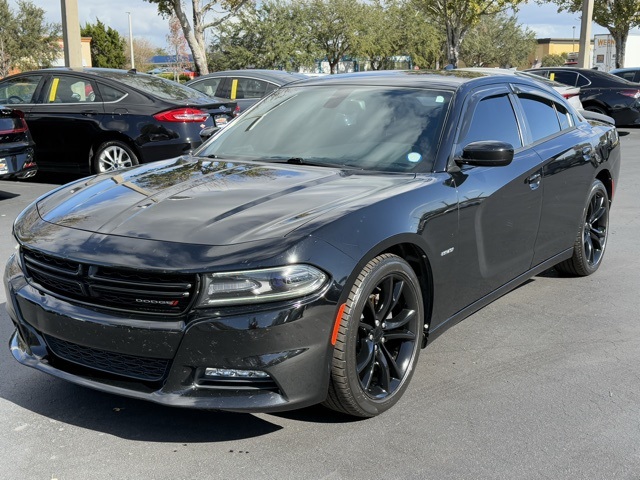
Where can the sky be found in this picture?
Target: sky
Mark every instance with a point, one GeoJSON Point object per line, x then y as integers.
{"type": "Point", "coordinates": [544, 20]}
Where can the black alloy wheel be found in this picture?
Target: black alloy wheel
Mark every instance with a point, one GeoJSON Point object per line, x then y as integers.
{"type": "Point", "coordinates": [591, 241]}
{"type": "Point", "coordinates": [379, 339]}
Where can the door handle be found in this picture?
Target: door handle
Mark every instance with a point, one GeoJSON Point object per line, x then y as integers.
{"type": "Point", "coordinates": [534, 180]}
{"type": "Point", "coordinates": [89, 113]}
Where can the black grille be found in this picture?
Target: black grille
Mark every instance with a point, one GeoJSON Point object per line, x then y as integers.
{"type": "Point", "coordinates": [140, 368]}
{"type": "Point", "coordinates": [111, 287]}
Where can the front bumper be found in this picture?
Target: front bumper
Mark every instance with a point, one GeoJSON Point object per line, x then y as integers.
{"type": "Point", "coordinates": [291, 343]}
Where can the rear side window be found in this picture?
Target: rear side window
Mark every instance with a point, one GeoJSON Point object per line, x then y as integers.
{"type": "Point", "coordinates": [582, 81]}
{"type": "Point", "coordinates": [493, 119]}
{"type": "Point", "coordinates": [250, 88]}
{"type": "Point", "coordinates": [568, 78]}
{"type": "Point", "coordinates": [541, 116]}
{"type": "Point", "coordinates": [19, 90]}
{"type": "Point", "coordinates": [627, 75]}
{"type": "Point", "coordinates": [208, 86]}
{"type": "Point", "coordinates": [10, 122]}
{"type": "Point", "coordinates": [110, 94]}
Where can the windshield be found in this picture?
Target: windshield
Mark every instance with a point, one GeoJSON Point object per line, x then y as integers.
{"type": "Point", "coordinates": [158, 86]}
{"type": "Point", "coordinates": [369, 128]}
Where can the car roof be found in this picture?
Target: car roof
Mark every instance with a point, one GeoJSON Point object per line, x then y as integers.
{"type": "Point", "coordinates": [626, 69]}
{"type": "Point", "coordinates": [443, 79]}
{"type": "Point", "coordinates": [517, 73]}
{"type": "Point", "coordinates": [276, 76]}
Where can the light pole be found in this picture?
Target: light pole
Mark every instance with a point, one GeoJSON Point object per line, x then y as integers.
{"type": "Point", "coordinates": [573, 40]}
{"type": "Point", "coordinates": [133, 63]}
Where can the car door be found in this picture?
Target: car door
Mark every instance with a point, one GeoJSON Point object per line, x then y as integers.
{"type": "Point", "coordinates": [66, 121]}
{"type": "Point", "coordinates": [566, 154]}
{"type": "Point", "coordinates": [499, 206]}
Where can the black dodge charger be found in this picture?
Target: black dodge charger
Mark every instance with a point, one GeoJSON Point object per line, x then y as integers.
{"type": "Point", "coordinates": [309, 251]}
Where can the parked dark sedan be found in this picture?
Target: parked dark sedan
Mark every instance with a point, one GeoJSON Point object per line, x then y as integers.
{"type": "Point", "coordinates": [631, 74]}
{"type": "Point", "coordinates": [99, 119]}
{"type": "Point", "coordinates": [309, 250]}
{"type": "Point", "coordinates": [600, 92]}
{"type": "Point", "coordinates": [16, 146]}
{"type": "Point", "coordinates": [245, 87]}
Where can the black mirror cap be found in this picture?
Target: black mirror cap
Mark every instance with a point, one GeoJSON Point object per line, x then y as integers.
{"type": "Point", "coordinates": [208, 132]}
{"type": "Point", "coordinates": [487, 153]}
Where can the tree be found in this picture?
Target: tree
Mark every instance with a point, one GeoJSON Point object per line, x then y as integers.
{"type": "Point", "coordinates": [107, 46]}
{"type": "Point", "coordinates": [498, 41]}
{"type": "Point", "coordinates": [255, 39]}
{"type": "Point", "coordinates": [195, 33]}
{"type": "Point", "coordinates": [332, 27]}
{"type": "Point", "coordinates": [27, 42]}
{"type": "Point", "coordinates": [458, 16]}
{"type": "Point", "coordinates": [177, 47]}
{"type": "Point", "coordinates": [617, 16]}
{"type": "Point", "coordinates": [553, 60]}
{"type": "Point", "coordinates": [143, 50]}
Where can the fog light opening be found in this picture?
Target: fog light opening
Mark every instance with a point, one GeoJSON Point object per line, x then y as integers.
{"type": "Point", "coordinates": [234, 373]}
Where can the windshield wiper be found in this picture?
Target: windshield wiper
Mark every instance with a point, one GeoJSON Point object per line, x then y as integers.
{"type": "Point", "coordinates": [302, 161]}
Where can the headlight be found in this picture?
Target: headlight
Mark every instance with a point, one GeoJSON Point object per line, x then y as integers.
{"type": "Point", "coordinates": [257, 286]}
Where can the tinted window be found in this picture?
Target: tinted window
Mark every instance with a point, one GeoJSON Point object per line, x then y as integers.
{"type": "Point", "coordinates": [9, 121]}
{"type": "Point", "coordinates": [110, 94]}
{"type": "Point", "coordinates": [153, 85]}
{"type": "Point", "coordinates": [565, 118]}
{"type": "Point", "coordinates": [372, 128]}
{"type": "Point", "coordinates": [582, 81]}
{"type": "Point", "coordinates": [19, 90]}
{"type": "Point", "coordinates": [626, 75]}
{"type": "Point", "coordinates": [250, 88]}
{"type": "Point", "coordinates": [568, 78]}
{"type": "Point", "coordinates": [67, 89]}
{"type": "Point", "coordinates": [493, 119]}
{"type": "Point", "coordinates": [541, 116]}
{"type": "Point", "coordinates": [208, 86]}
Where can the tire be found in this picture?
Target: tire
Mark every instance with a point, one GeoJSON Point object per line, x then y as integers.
{"type": "Point", "coordinates": [379, 339]}
{"type": "Point", "coordinates": [597, 109]}
{"type": "Point", "coordinates": [113, 155]}
{"type": "Point", "coordinates": [591, 240]}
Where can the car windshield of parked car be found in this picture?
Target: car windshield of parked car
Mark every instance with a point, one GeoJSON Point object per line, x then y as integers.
{"type": "Point", "coordinates": [361, 127]}
{"type": "Point", "coordinates": [157, 86]}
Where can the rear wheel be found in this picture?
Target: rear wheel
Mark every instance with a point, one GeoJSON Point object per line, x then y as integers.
{"type": "Point", "coordinates": [591, 240]}
{"type": "Point", "coordinates": [597, 109]}
{"type": "Point", "coordinates": [113, 155]}
{"type": "Point", "coordinates": [379, 339]}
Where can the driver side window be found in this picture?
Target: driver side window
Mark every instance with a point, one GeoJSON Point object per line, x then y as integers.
{"type": "Point", "coordinates": [16, 91]}
{"type": "Point", "coordinates": [493, 119]}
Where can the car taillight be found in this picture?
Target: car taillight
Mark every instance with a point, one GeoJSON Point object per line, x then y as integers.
{"type": "Point", "coordinates": [569, 95]}
{"type": "Point", "coordinates": [630, 93]}
{"type": "Point", "coordinates": [184, 115]}
{"type": "Point", "coordinates": [236, 111]}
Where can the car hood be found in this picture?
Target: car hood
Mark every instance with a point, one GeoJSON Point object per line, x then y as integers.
{"type": "Point", "coordinates": [199, 201]}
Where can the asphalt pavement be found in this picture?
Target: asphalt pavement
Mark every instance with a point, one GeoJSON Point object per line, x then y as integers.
{"type": "Point", "coordinates": [542, 383]}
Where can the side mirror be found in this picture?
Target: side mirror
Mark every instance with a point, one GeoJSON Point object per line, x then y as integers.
{"type": "Point", "coordinates": [208, 132]}
{"type": "Point", "coordinates": [487, 153]}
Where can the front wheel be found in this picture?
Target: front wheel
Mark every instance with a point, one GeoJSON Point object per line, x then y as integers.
{"type": "Point", "coordinates": [379, 339]}
{"type": "Point", "coordinates": [591, 240]}
{"type": "Point", "coordinates": [113, 155]}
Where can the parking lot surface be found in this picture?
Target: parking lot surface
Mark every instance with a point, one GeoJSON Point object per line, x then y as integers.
{"type": "Point", "coordinates": [542, 383]}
